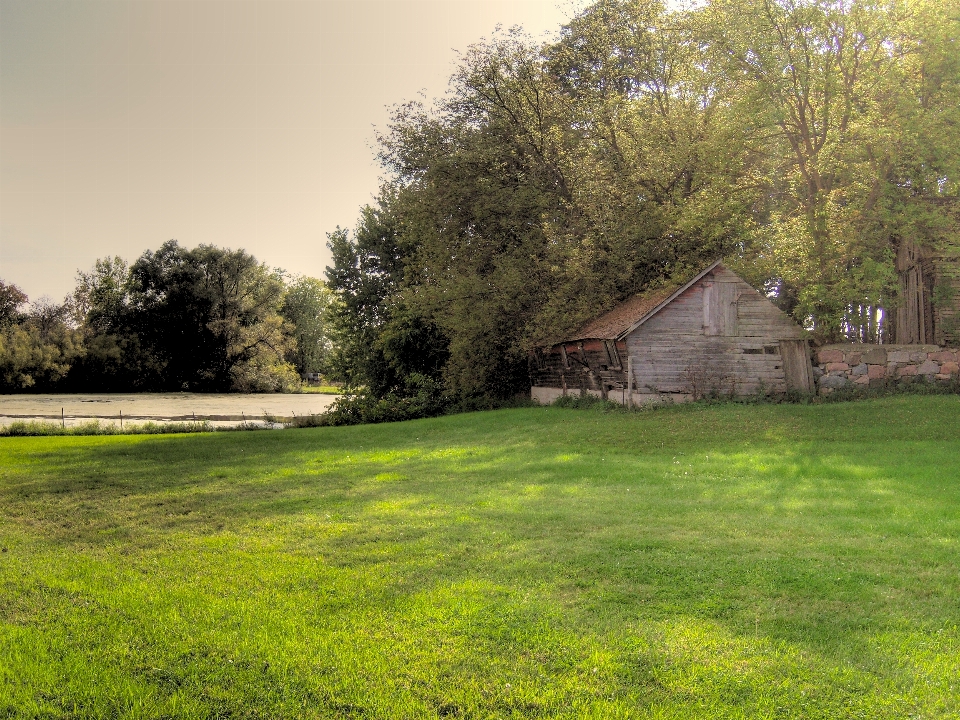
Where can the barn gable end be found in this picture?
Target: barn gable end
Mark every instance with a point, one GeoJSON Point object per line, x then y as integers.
{"type": "Point", "coordinates": [719, 335]}
{"type": "Point", "coordinates": [715, 334]}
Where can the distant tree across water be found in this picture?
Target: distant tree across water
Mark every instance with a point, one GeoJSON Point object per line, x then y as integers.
{"type": "Point", "coordinates": [204, 320]}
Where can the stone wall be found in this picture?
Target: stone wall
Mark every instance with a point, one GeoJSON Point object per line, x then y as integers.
{"type": "Point", "coordinates": [837, 366]}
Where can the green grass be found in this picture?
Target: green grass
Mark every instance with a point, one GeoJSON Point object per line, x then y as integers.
{"type": "Point", "coordinates": [322, 389]}
{"type": "Point", "coordinates": [772, 561]}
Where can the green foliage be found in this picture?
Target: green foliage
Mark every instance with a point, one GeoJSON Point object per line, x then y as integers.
{"type": "Point", "coordinates": [11, 300]}
{"type": "Point", "coordinates": [206, 319]}
{"type": "Point", "coordinates": [37, 347]}
{"type": "Point", "coordinates": [96, 427]}
{"type": "Point", "coordinates": [380, 341]}
{"type": "Point", "coordinates": [305, 307]}
{"type": "Point", "coordinates": [801, 140]}
{"type": "Point", "coordinates": [523, 564]}
{"type": "Point", "coordinates": [421, 397]}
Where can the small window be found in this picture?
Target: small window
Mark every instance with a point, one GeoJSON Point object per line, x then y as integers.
{"type": "Point", "coordinates": [770, 350]}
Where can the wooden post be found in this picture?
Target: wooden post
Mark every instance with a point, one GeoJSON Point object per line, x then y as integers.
{"type": "Point", "coordinates": [629, 379]}
{"type": "Point", "coordinates": [63, 423]}
{"type": "Point", "coordinates": [121, 419]}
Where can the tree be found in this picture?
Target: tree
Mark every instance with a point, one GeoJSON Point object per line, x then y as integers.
{"type": "Point", "coordinates": [206, 319]}
{"type": "Point", "coordinates": [379, 341]}
{"type": "Point", "coordinates": [305, 308]}
{"type": "Point", "coordinates": [12, 299]}
{"type": "Point", "coordinates": [844, 115]}
{"type": "Point", "coordinates": [38, 348]}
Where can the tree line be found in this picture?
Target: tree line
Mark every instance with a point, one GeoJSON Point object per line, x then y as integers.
{"type": "Point", "coordinates": [202, 320]}
{"type": "Point", "coordinates": [802, 140]}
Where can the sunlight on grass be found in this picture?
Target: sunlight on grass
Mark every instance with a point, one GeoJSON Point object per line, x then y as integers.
{"type": "Point", "coordinates": [645, 565]}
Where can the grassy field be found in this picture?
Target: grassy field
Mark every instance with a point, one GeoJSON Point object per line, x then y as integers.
{"type": "Point", "coordinates": [322, 389]}
{"type": "Point", "coordinates": [695, 562]}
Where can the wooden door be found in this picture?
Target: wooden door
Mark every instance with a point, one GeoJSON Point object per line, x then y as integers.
{"type": "Point", "coordinates": [797, 369]}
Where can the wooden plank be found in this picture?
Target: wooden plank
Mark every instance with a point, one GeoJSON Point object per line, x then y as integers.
{"type": "Point", "coordinates": [797, 369]}
{"type": "Point", "coordinates": [728, 294]}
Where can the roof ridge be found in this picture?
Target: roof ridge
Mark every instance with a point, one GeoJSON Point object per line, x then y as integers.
{"type": "Point", "coordinates": [623, 318]}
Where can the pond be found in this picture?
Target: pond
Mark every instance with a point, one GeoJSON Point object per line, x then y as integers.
{"type": "Point", "coordinates": [218, 409]}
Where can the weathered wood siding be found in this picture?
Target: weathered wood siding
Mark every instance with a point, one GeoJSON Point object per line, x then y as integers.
{"type": "Point", "coordinates": [928, 298]}
{"type": "Point", "coordinates": [947, 297]}
{"type": "Point", "coordinates": [590, 366]}
{"type": "Point", "coordinates": [720, 335]}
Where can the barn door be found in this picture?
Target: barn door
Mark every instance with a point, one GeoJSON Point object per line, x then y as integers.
{"type": "Point", "coordinates": [797, 370]}
{"type": "Point", "coordinates": [720, 308]}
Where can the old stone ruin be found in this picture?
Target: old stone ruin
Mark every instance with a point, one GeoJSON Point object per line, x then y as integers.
{"type": "Point", "coordinates": [840, 366]}
{"type": "Point", "coordinates": [918, 336]}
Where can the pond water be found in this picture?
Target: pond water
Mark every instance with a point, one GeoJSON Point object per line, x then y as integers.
{"type": "Point", "coordinates": [218, 409]}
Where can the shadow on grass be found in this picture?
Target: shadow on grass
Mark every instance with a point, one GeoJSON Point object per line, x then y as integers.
{"type": "Point", "coordinates": [784, 538]}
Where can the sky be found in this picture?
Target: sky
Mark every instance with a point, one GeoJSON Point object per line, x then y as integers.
{"type": "Point", "coordinates": [238, 123]}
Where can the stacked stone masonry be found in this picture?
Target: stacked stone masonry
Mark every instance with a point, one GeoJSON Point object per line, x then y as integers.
{"type": "Point", "coordinates": [838, 366]}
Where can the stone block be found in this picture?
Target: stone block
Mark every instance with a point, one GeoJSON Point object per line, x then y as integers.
{"type": "Point", "coordinates": [918, 357]}
{"type": "Point", "coordinates": [876, 356]}
{"type": "Point", "coordinates": [861, 369]}
{"type": "Point", "coordinates": [941, 376]}
{"type": "Point", "coordinates": [892, 369]}
{"type": "Point", "coordinates": [907, 370]}
{"type": "Point", "coordinates": [943, 357]}
{"type": "Point", "coordinates": [833, 381]}
{"type": "Point", "coordinates": [928, 368]}
{"type": "Point", "coordinates": [862, 380]}
{"type": "Point", "coordinates": [817, 372]}
{"type": "Point", "coordinates": [853, 358]}
{"type": "Point", "coordinates": [829, 356]}
{"type": "Point", "coordinates": [950, 368]}
{"type": "Point", "coordinates": [837, 366]}
{"type": "Point", "coordinates": [898, 356]}
{"type": "Point", "coordinates": [875, 372]}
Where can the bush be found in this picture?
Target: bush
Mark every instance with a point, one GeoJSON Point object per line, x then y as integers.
{"type": "Point", "coordinates": [588, 402]}
{"type": "Point", "coordinates": [421, 397]}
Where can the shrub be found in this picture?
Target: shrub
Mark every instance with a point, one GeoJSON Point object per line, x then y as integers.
{"type": "Point", "coordinates": [421, 397]}
{"type": "Point", "coordinates": [96, 427]}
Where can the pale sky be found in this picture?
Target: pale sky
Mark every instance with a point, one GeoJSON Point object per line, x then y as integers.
{"type": "Point", "coordinates": [239, 123]}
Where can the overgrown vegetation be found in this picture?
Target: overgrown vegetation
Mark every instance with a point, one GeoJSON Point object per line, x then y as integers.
{"type": "Point", "coordinates": [698, 561]}
{"type": "Point", "coordinates": [801, 139]}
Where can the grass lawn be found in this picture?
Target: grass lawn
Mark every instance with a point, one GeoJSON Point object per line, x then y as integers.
{"type": "Point", "coordinates": [322, 389]}
{"type": "Point", "coordinates": [693, 562]}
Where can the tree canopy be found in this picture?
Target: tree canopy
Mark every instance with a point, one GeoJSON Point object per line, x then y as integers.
{"type": "Point", "coordinates": [803, 140]}
{"type": "Point", "coordinates": [208, 320]}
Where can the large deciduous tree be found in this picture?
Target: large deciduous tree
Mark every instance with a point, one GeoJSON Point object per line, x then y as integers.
{"type": "Point", "coordinates": [305, 307]}
{"type": "Point", "coordinates": [206, 319]}
{"type": "Point", "coordinates": [804, 140]}
{"type": "Point", "coordinates": [848, 103]}
{"type": "Point", "coordinates": [37, 345]}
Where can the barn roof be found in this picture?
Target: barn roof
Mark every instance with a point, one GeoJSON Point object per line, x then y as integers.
{"type": "Point", "coordinates": [633, 312]}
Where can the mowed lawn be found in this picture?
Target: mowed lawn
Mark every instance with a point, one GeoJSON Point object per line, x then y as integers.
{"type": "Point", "coordinates": [692, 562]}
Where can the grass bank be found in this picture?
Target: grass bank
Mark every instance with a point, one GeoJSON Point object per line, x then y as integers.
{"type": "Point", "coordinates": [728, 561]}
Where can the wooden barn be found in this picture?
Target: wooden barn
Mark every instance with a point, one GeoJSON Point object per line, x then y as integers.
{"type": "Point", "coordinates": [713, 334]}
{"type": "Point", "coordinates": [920, 317]}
